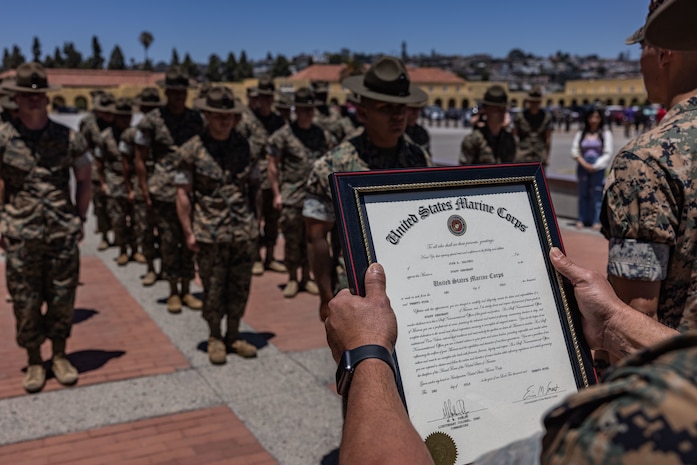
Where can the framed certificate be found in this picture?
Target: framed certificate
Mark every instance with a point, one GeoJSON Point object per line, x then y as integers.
{"type": "Point", "coordinates": [489, 337]}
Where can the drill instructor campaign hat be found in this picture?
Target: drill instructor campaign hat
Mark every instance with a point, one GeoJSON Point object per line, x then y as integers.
{"type": "Point", "coordinates": [305, 98]}
{"type": "Point", "coordinates": [176, 78]}
{"type": "Point", "coordinates": [266, 86]}
{"type": "Point", "coordinates": [535, 95]}
{"type": "Point", "coordinates": [30, 78]}
{"type": "Point", "coordinates": [122, 107]}
{"type": "Point", "coordinates": [149, 97]}
{"type": "Point", "coordinates": [219, 99]}
{"type": "Point", "coordinates": [672, 25]}
{"type": "Point", "coordinates": [284, 101]}
{"type": "Point", "coordinates": [386, 80]}
{"type": "Point", "coordinates": [104, 102]}
{"type": "Point", "coordinates": [638, 35]}
{"type": "Point", "coordinates": [495, 96]}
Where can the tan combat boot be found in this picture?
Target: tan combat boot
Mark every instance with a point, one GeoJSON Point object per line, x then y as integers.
{"type": "Point", "coordinates": [258, 269]}
{"type": "Point", "coordinates": [216, 351]}
{"type": "Point", "coordinates": [243, 348]}
{"type": "Point", "coordinates": [122, 259]}
{"type": "Point", "coordinates": [63, 370]}
{"type": "Point", "coordinates": [139, 258]}
{"type": "Point", "coordinates": [174, 304]}
{"type": "Point", "coordinates": [35, 378]}
{"type": "Point", "coordinates": [192, 302]}
{"type": "Point", "coordinates": [275, 266]}
{"type": "Point", "coordinates": [291, 289]}
{"type": "Point", "coordinates": [149, 279]}
{"type": "Point", "coordinates": [311, 287]}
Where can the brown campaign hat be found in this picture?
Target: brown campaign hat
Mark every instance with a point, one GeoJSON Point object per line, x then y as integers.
{"type": "Point", "coordinates": [219, 99]}
{"type": "Point", "coordinates": [105, 102]}
{"type": "Point", "coordinates": [495, 96]}
{"type": "Point", "coordinates": [31, 78]}
{"type": "Point", "coordinates": [535, 95]}
{"type": "Point", "coordinates": [176, 78]}
{"type": "Point", "coordinates": [672, 25]}
{"type": "Point", "coordinates": [386, 80]}
{"type": "Point", "coordinates": [305, 98]}
{"type": "Point", "coordinates": [419, 104]}
{"type": "Point", "coordinates": [7, 103]}
{"type": "Point", "coordinates": [266, 86]}
{"type": "Point", "coordinates": [638, 35]}
{"type": "Point", "coordinates": [149, 97]}
{"type": "Point", "coordinates": [284, 101]}
{"type": "Point", "coordinates": [122, 106]}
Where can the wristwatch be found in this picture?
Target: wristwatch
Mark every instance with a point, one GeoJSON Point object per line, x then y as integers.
{"type": "Point", "coordinates": [350, 360]}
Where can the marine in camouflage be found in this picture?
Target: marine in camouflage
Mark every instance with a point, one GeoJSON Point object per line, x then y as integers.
{"type": "Point", "coordinates": [650, 213]}
{"type": "Point", "coordinates": [482, 147]}
{"type": "Point", "coordinates": [120, 209]}
{"type": "Point", "coordinates": [532, 133]}
{"type": "Point", "coordinates": [91, 129]}
{"type": "Point", "coordinates": [643, 413]}
{"type": "Point", "coordinates": [41, 227]}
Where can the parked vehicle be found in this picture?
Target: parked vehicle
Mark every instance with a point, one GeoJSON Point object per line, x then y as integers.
{"type": "Point", "coordinates": [433, 113]}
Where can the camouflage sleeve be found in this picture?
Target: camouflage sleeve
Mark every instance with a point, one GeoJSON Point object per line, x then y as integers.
{"type": "Point", "coordinates": [90, 131]}
{"type": "Point", "coordinates": [318, 202]}
{"type": "Point", "coordinates": [77, 148]}
{"type": "Point", "coordinates": [145, 130]}
{"type": "Point", "coordinates": [642, 414]}
{"type": "Point", "coordinates": [474, 150]}
{"type": "Point", "coordinates": [466, 151]}
{"type": "Point", "coordinates": [184, 171]}
{"type": "Point", "coordinates": [276, 143]}
{"type": "Point", "coordinates": [127, 142]}
{"type": "Point", "coordinates": [640, 218]}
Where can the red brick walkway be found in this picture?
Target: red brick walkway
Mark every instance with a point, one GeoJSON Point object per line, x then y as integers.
{"type": "Point", "coordinates": [112, 338]}
{"type": "Point", "coordinates": [204, 437]}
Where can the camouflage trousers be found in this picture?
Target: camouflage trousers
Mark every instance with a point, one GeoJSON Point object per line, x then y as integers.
{"type": "Point", "coordinates": [293, 226]}
{"type": "Point", "coordinates": [99, 207]}
{"type": "Point", "coordinates": [226, 273]}
{"type": "Point", "coordinates": [38, 272]}
{"type": "Point", "coordinates": [144, 229]}
{"type": "Point", "coordinates": [177, 259]}
{"type": "Point", "coordinates": [271, 216]}
{"type": "Point", "coordinates": [121, 217]}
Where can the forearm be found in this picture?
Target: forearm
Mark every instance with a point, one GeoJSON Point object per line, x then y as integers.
{"type": "Point", "coordinates": [83, 195]}
{"type": "Point", "coordinates": [141, 171]}
{"type": "Point", "coordinates": [125, 169]}
{"type": "Point", "coordinates": [272, 173]}
{"type": "Point", "coordinates": [320, 263]}
{"type": "Point", "coordinates": [629, 331]}
{"type": "Point", "coordinates": [377, 429]}
{"type": "Point", "coordinates": [184, 210]}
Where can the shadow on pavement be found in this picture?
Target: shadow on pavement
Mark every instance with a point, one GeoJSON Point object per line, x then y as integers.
{"type": "Point", "coordinates": [331, 458]}
{"type": "Point", "coordinates": [83, 314]}
{"type": "Point", "coordinates": [89, 360]}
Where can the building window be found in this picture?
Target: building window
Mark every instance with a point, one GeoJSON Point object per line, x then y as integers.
{"type": "Point", "coordinates": [80, 102]}
{"type": "Point", "coordinates": [430, 88]}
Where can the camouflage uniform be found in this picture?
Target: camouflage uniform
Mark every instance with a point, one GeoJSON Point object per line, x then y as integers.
{"type": "Point", "coordinates": [41, 227]}
{"type": "Point", "coordinates": [120, 209]}
{"type": "Point", "coordinates": [420, 136]}
{"type": "Point", "coordinates": [143, 224]}
{"type": "Point", "coordinates": [91, 130]}
{"type": "Point", "coordinates": [220, 173]}
{"type": "Point", "coordinates": [532, 136]}
{"type": "Point", "coordinates": [649, 212]}
{"type": "Point", "coordinates": [333, 124]}
{"type": "Point", "coordinates": [256, 130]}
{"type": "Point", "coordinates": [164, 133]}
{"type": "Point", "coordinates": [643, 413]}
{"type": "Point", "coordinates": [478, 147]}
{"type": "Point", "coordinates": [296, 150]}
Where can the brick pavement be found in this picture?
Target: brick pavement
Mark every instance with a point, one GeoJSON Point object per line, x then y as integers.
{"type": "Point", "coordinates": [118, 339]}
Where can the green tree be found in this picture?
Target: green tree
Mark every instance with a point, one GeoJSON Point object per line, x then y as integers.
{"type": "Point", "coordinates": [146, 39]}
{"type": "Point", "coordinates": [5, 58]}
{"type": "Point", "coordinates": [116, 60]}
{"type": "Point", "coordinates": [36, 49]}
{"type": "Point", "coordinates": [213, 71]}
{"type": "Point", "coordinates": [175, 58]}
{"type": "Point", "coordinates": [189, 66]}
{"type": "Point", "coordinates": [16, 58]}
{"type": "Point", "coordinates": [58, 60]}
{"type": "Point", "coordinates": [73, 58]}
{"type": "Point", "coordinates": [281, 67]}
{"type": "Point", "coordinates": [230, 67]}
{"type": "Point", "coordinates": [244, 68]}
{"type": "Point", "coordinates": [96, 61]}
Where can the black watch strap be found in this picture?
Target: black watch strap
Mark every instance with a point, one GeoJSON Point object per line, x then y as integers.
{"type": "Point", "coordinates": [350, 360]}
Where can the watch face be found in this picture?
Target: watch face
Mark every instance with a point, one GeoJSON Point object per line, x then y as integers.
{"type": "Point", "coordinates": [343, 374]}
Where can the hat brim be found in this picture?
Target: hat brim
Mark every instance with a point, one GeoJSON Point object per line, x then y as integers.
{"type": "Point", "coordinates": [671, 26]}
{"type": "Point", "coordinates": [355, 85]}
{"type": "Point", "coordinates": [534, 99]}
{"type": "Point", "coordinates": [30, 90]}
{"type": "Point", "coordinates": [489, 103]}
{"type": "Point", "coordinates": [635, 38]}
{"type": "Point", "coordinates": [104, 109]}
{"type": "Point", "coordinates": [177, 87]}
{"type": "Point", "coordinates": [141, 103]}
{"type": "Point", "coordinates": [200, 104]}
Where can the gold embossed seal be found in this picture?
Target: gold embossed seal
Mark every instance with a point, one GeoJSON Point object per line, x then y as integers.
{"type": "Point", "coordinates": [442, 448]}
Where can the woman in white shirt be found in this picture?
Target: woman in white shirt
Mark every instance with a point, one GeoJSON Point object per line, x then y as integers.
{"type": "Point", "coordinates": [592, 150]}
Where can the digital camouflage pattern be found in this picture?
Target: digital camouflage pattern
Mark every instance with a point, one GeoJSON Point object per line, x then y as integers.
{"type": "Point", "coordinates": [177, 261]}
{"type": "Point", "coordinates": [334, 124]}
{"type": "Point", "coordinates": [164, 133]}
{"type": "Point", "coordinates": [420, 136]}
{"type": "Point", "coordinates": [112, 163]}
{"type": "Point", "coordinates": [91, 131]}
{"type": "Point", "coordinates": [219, 173]}
{"type": "Point", "coordinates": [355, 154]}
{"type": "Point", "coordinates": [532, 146]}
{"type": "Point", "coordinates": [41, 227]}
{"type": "Point", "coordinates": [127, 151]}
{"type": "Point", "coordinates": [37, 203]}
{"type": "Point", "coordinates": [293, 226]}
{"type": "Point", "coordinates": [650, 213]}
{"type": "Point", "coordinates": [257, 131]}
{"type": "Point", "coordinates": [226, 275]}
{"type": "Point", "coordinates": [642, 414]}
{"type": "Point", "coordinates": [295, 158]}
{"type": "Point", "coordinates": [475, 149]}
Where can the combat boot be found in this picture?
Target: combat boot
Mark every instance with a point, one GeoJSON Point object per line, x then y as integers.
{"type": "Point", "coordinates": [63, 370]}
{"type": "Point", "coordinates": [243, 348]}
{"type": "Point", "coordinates": [35, 378]}
{"type": "Point", "coordinates": [122, 260]}
{"type": "Point", "coordinates": [174, 304]}
{"type": "Point", "coordinates": [258, 269]}
{"type": "Point", "coordinates": [192, 302]}
{"type": "Point", "coordinates": [103, 245]}
{"type": "Point", "coordinates": [216, 351]}
{"type": "Point", "coordinates": [139, 258]}
{"type": "Point", "coordinates": [311, 287]}
{"type": "Point", "coordinates": [275, 266]}
{"type": "Point", "coordinates": [149, 279]}
{"type": "Point", "coordinates": [291, 289]}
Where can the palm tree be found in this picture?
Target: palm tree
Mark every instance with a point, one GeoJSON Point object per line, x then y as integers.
{"type": "Point", "coordinates": [146, 39]}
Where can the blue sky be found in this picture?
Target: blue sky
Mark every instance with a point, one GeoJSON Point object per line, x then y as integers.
{"type": "Point", "coordinates": [379, 26]}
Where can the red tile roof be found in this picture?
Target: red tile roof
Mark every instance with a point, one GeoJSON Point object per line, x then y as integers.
{"type": "Point", "coordinates": [97, 77]}
{"type": "Point", "coordinates": [332, 73]}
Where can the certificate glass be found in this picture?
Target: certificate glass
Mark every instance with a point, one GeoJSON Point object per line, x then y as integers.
{"type": "Point", "coordinates": [487, 329]}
